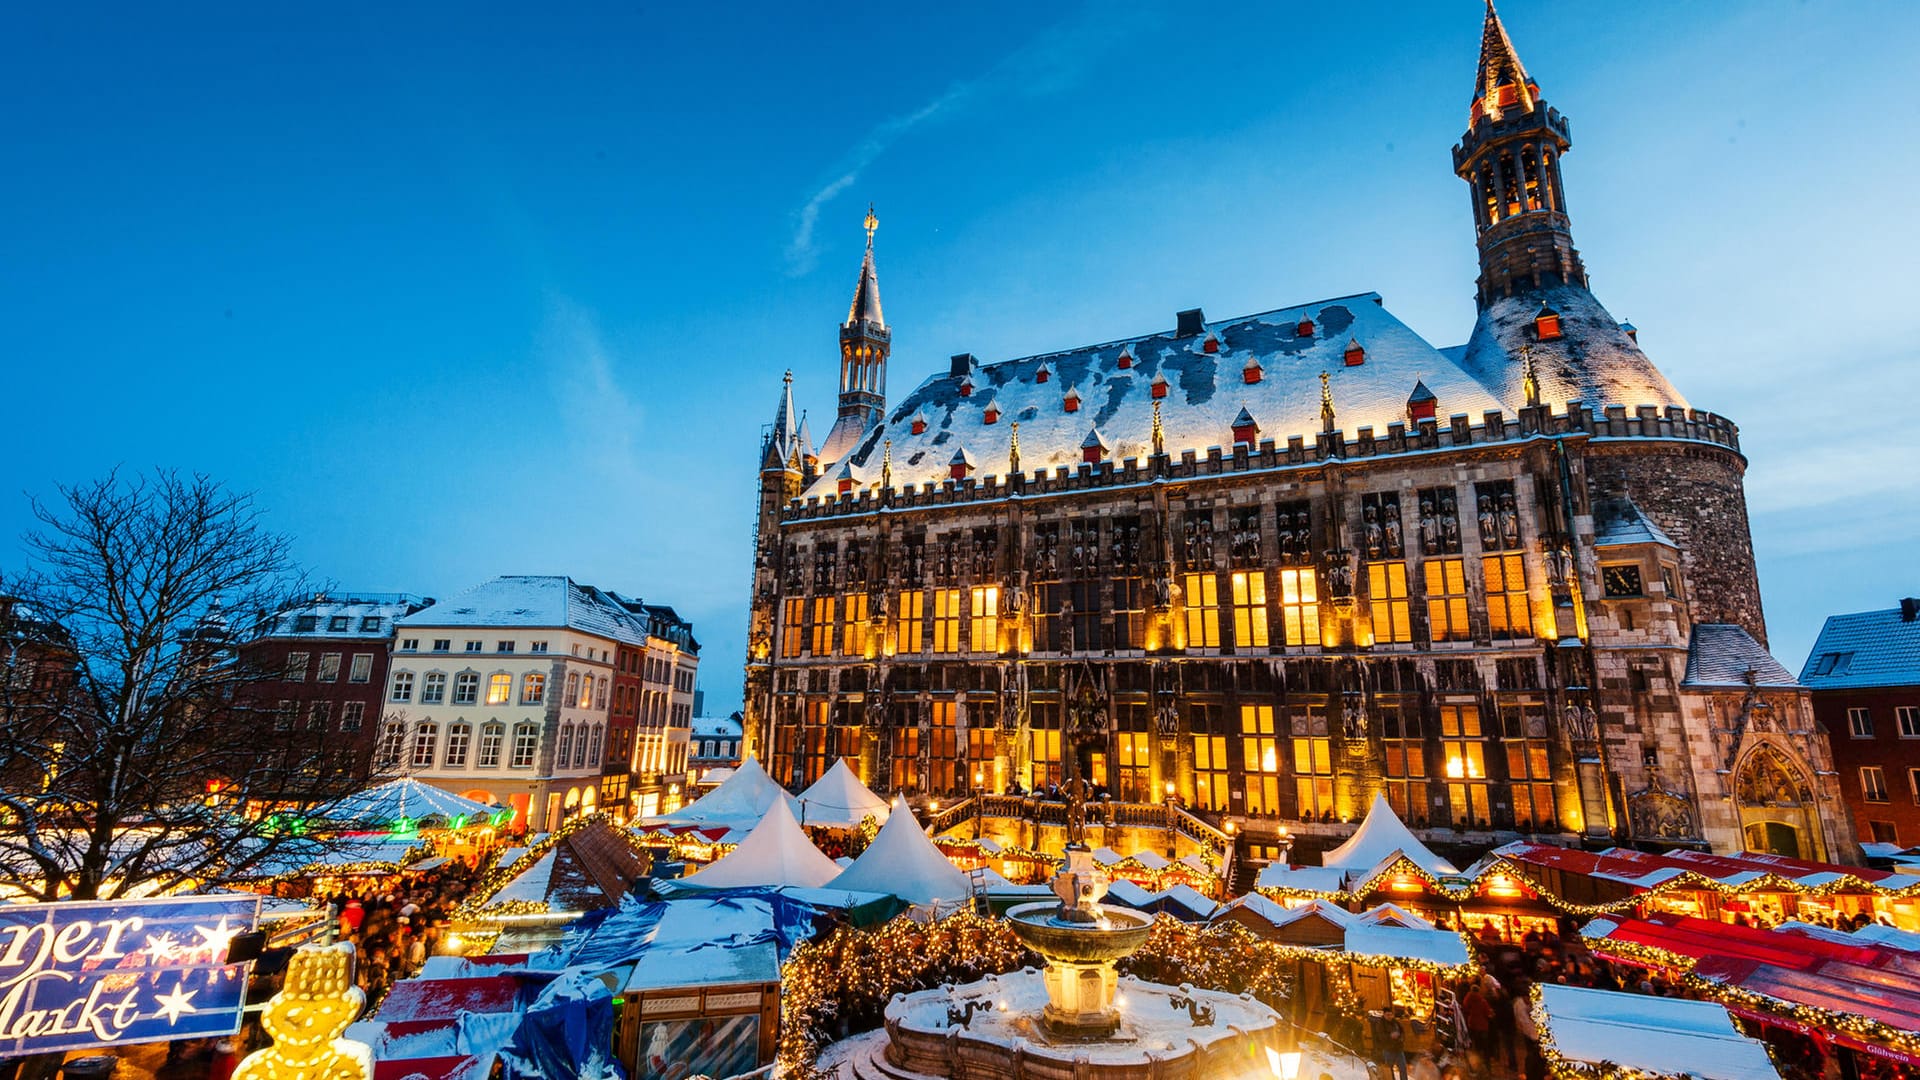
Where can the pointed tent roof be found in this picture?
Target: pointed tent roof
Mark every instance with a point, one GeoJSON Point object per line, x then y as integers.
{"type": "Point", "coordinates": [379, 806]}
{"type": "Point", "coordinates": [838, 798]}
{"type": "Point", "coordinates": [740, 802]}
{"type": "Point", "coordinates": [1499, 66]}
{"type": "Point", "coordinates": [775, 853]}
{"type": "Point", "coordinates": [902, 861]}
{"type": "Point", "coordinates": [1380, 837]}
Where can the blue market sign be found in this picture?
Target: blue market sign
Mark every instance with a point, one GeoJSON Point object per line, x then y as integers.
{"type": "Point", "coordinates": [84, 974]}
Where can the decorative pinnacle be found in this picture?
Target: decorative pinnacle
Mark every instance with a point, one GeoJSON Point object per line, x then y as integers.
{"type": "Point", "coordinates": [886, 465]}
{"type": "Point", "coordinates": [1326, 403]}
{"type": "Point", "coordinates": [1013, 450]}
{"type": "Point", "coordinates": [872, 224]}
{"type": "Point", "coordinates": [1530, 385]}
{"type": "Point", "coordinates": [1159, 433]}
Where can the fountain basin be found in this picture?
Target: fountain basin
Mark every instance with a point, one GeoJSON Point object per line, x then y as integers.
{"type": "Point", "coordinates": [1118, 933]}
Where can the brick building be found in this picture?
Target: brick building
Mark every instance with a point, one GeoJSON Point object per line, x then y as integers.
{"type": "Point", "coordinates": [1270, 566]}
{"type": "Point", "coordinates": [327, 659]}
{"type": "Point", "coordinates": [1864, 672]}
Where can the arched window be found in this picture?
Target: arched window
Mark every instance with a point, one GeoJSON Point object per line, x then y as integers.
{"type": "Point", "coordinates": [526, 740]}
{"type": "Point", "coordinates": [491, 736]}
{"type": "Point", "coordinates": [573, 687]}
{"type": "Point", "coordinates": [585, 700]}
{"type": "Point", "coordinates": [424, 738]}
{"type": "Point", "coordinates": [593, 749]}
{"type": "Point", "coordinates": [433, 688]}
{"type": "Point", "coordinates": [564, 746]}
{"type": "Point", "coordinates": [533, 689]}
{"type": "Point", "coordinates": [402, 686]}
{"type": "Point", "coordinates": [392, 738]}
{"type": "Point", "coordinates": [458, 737]}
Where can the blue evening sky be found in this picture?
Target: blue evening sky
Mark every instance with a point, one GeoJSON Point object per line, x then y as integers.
{"type": "Point", "coordinates": [460, 290]}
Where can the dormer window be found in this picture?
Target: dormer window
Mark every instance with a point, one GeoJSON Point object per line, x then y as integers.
{"type": "Point", "coordinates": [1071, 402]}
{"type": "Point", "coordinates": [1546, 323]}
{"type": "Point", "coordinates": [1252, 372]}
{"type": "Point", "coordinates": [1303, 328]}
{"type": "Point", "coordinates": [1632, 331]}
{"type": "Point", "coordinates": [966, 386]}
{"type": "Point", "coordinates": [1159, 385]}
{"type": "Point", "coordinates": [960, 466]}
{"type": "Point", "coordinates": [1042, 374]}
{"type": "Point", "coordinates": [1355, 354]}
{"type": "Point", "coordinates": [1094, 449]}
{"type": "Point", "coordinates": [919, 426]}
{"type": "Point", "coordinates": [1212, 343]}
{"type": "Point", "coordinates": [845, 484]}
{"type": "Point", "coordinates": [1245, 430]}
{"type": "Point", "coordinates": [991, 415]}
{"type": "Point", "coordinates": [1421, 404]}
{"type": "Point", "coordinates": [1125, 359]}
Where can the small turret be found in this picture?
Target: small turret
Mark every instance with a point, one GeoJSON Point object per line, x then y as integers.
{"type": "Point", "coordinates": [865, 343]}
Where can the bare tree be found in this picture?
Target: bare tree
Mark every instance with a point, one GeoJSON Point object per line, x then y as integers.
{"type": "Point", "coordinates": [133, 757]}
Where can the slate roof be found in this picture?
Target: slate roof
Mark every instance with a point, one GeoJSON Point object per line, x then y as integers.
{"type": "Point", "coordinates": [1884, 652]}
{"type": "Point", "coordinates": [1618, 520]}
{"type": "Point", "coordinates": [1593, 361]}
{"type": "Point", "coordinates": [1721, 654]}
{"type": "Point", "coordinates": [383, 609]}
{"type": "Point", "coordinates": [535, 600]}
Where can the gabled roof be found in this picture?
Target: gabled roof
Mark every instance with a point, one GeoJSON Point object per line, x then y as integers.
{"type": "Point", "coordinates": [1722, 654]}
{"type": "Point", "coordinates": [403, 797]}
{"type": "Point", "coordinates": [535, 601]}
{"type": "Point", "coordinates": [1866, 648]}
{"type": "Point", "coordinates": [1656, 1036]}
{"type": "Point", "coordinates": [1618, 520]}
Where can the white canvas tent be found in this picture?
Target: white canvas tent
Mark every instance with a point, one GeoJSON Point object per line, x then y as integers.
{"type": "Point", "coordinates": [775, 853]}
{"type": "Point", "coordinates": [1658, 1036]}
{"type": "Point", "coordinates": [903, 861]}
{"type": "Point", "coordinates": [839, 800]}
{"type": "Point", "coordinates": [1381, 836]}
{"type": "Point", "coordinates": [739, 803]}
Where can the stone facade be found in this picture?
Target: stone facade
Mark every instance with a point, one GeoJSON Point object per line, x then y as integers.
{"type": "Point", "coordinates": [1543, 620]}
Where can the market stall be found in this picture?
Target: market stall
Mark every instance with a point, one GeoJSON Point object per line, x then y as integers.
{"type": "Point", "coordinates": [903, 862]}
{"type": "Point", "coordinates": [1583, 1032]}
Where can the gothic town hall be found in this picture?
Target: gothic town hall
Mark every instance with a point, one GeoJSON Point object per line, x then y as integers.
{"type": "Point", "coordinates": [1269, 567]}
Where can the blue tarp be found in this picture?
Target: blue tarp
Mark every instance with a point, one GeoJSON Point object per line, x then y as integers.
{"type": "Point", "coordinates": [567, 1034]}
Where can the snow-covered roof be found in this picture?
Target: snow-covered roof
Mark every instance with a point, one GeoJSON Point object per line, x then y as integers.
{"type": "Point", "coordinates": [903, 861]}
{"type": "Point", "coordinates": [738, 803]}
{"type": "Point", "coordinates": [1657, 1035]}
{"type": "Point", "coordinates": [359, 615]}
{"type": "Point", "coordinates": [539, 601]}
{"type": "Point", "coordinates": [1444, 947]}
{"type": "Point", "coordinates": [1593, 361]}
{"type": "Point", "coordinates": [1721, 654]}
{"type": "Point", "coordinates": [1380, 837]}
{"type": "Point", "coordinates": [776, 852]}
{"type": "Point", "coordinates": [1618, 520]}
{"type": "Point", "coordinates": [1867, 648]}
{"type": "Point", "coordinates": [716, 727]}
{"type": "Point", "coordinates": [838, 798]}
{"type": "Point", "coordinates": [1321, 879]}
{"type": "Point", "coordinates": [1206, 392]}
{"type": "Point", "coordinates": [403, 797]}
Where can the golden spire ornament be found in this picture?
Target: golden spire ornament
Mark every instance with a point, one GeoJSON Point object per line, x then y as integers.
{"type": "Point", "coordinates": [886, 462]}
{"type": "Point", "coordinates": [872, 223]}
{"type": "Point", "coordinates": [1159, 433]}
{"type": "Point", "coordinates": [1013, 451]}
{"type": "Point", "coordinates": [1326, 403]}
{"type": "Point", "coordinates": [1530, 384]}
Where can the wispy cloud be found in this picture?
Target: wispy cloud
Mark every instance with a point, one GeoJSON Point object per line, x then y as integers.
{"type": "Point", "coordinates": [1051, 62]}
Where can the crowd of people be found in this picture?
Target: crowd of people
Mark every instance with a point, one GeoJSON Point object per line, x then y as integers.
{"type": "Point", "coordinates": [395, 926]}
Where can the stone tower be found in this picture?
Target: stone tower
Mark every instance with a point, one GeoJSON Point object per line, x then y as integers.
{"type": "Point", "coordinates": [864, 344]}
{"type": "Point", "coordinates": [1510, 159]}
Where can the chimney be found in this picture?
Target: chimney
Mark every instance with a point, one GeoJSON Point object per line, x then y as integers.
{"type": "Point", "coordinates": [1909, 608]}
{"type": "Point", "coordinates": [962, 363]}
{"type": "Point", "coordinates": [1189, 323]}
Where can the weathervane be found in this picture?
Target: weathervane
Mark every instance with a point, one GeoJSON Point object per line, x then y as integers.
{"type": "Point", "coordinates": [872, 224]}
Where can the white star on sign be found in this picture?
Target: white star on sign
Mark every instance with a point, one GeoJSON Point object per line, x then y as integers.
{"type": "Point", "coordinates": [216, 939]}
{"type": "Point", "coordinates": [162, 946]}
{"type": "Point", "coordinates": [173, 1005]}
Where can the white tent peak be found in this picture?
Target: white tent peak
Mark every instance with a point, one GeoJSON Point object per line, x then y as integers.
{"type": "Point", "coordinates": [1382, 835]}
{"type": "Point", "coordinates": [740, 802]}
{"type": "Point", "coordinates": [838, 799]}
{"type": "Point", "coordinates": [775, 853]}
{"type": "Point", "coordinates": [903, 861]}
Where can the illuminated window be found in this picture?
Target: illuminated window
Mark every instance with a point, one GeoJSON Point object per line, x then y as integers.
{"type": "Point", "coordinates": [1873, 783]}
{"type": "Point", "coordinates": [1136, 765]}
{"type": "Point", "coordinates": [402, 686]}
{"type": "Point", "coordinates": [980, 755]}
{"type": "Point", "coordinates": [984, 628]}
{"type": "Point", "coordinates": [491, 736]}
{"type": "Point", "coordinates": [1261, 749]}
{"type": "Point", "coordinates": [910, 623]}
{"type": "Point", "coordinates": [1447, 600]}
{"type": "Point", "coordinates": [822, 626]}
{"type": "Point", "coordinates": [1406, 770]}
{"type": "Point", "coordinates": [1250, 608]}
{"type": "Point", "coordinates": [1387, 599]}
{"type": "Point", "coordinates": [466, 688]}
{"type": "Point", "coordinates": [585, 700]}
{"type": "Point", "coordinates": [1313, 774]}
{"type": "Point", "coordinates": [853, 633]}
{"type": "Point", "coordinates": [906, 758]}
{"type": "Point", "coordinates": [533, 688]}
{"type": "Point", "coordinates": [458, 737]}
{"type": "Point", "coordinates": [499, 689]}
{"type": "Point", "coordinates": [946, 620]}
{"type": "Point", "coordinates": [1300, 606]}
{"type": "Point", "coordinates": [792, 626]}
{"type": "Point", "coordinates": [1507, 615]}
{"type": "Point", "coordinates": [526, 740]}
{"type": "Point", "coordinates": [1203, 611]}
{"type": "Point", "coordinates": [1463, 753]}
{"type": "Point", "coordinates": [1210, 772]}
{"type": "Point", "coordinates": [1533, 809]}
{"type": "Point", "coordinates": [943, 749]}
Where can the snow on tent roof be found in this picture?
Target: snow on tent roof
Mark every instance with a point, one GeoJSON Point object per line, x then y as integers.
{"type": "Point", "coordinates": [1657, 1035]}
{"type": "Point", "coordinates": [1128, 894]}
{"type": "Point", "coordinates": [1381, 836]}
{"type": "Point", "coordinates": [838, 798]}
{"type": "Point", "coordinates": [1444, 947]}
{"type": "Point", "coordinates": [775, 853]}
{"type": "Point", "coordinates": [902, 861]}
{"type": "Point", "coordinates": [740, 802]}
{"type": "Point", "coordinates": [404, 797]}
{"type": "Point", "coordinates": [1300, 878]}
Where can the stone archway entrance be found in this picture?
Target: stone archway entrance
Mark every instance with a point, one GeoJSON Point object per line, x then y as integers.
{"type": "Point", "coordinates": [1776, 805]}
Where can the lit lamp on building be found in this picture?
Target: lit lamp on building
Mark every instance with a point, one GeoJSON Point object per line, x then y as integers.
{"type": "Point", "coordinates": [979, 779]}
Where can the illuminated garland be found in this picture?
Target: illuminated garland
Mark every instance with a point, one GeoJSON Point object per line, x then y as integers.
{"type": "Point", "coordinates": [478, 905]}
{"type": "Point", "coordinates": [1561, 1067]}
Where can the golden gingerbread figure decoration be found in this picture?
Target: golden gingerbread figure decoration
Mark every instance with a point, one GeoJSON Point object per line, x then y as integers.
{"type": "Point", "coordinates": [306, 1019]}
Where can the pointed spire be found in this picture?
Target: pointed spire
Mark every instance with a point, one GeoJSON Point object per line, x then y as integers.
{"type": "Point", "coordinates": [866, 295]}
{"type": "Point", "coordinates": [1013, 450]}
{"type": "Point", "coordinates": [886, 466]}
{"type": "Point", "coordinates": [1501, 82]}
{"type": "Point", "coordinates": [803, 439]}
{"type": "Point", "coordinates": [1326, 403]}
{"type": "Point", "coordinates": [1530, 384]}
{"type": "Point", "coordinates": [1159, 433]}
{"type": "Point", "coordinates": [781, 440]}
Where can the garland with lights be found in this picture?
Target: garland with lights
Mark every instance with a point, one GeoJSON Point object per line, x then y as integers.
{"type": "Point", "coordinates": [1562, 1067]}
{"type": "Point", "coordinates": [478, 905]}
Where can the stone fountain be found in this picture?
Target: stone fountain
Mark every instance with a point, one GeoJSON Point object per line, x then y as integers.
{"type": "Point", "coordinates": [1081, 941]}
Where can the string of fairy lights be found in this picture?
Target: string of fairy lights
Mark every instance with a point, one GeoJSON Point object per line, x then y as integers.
{"type": "Point", "coordinates": [1562, 1067]}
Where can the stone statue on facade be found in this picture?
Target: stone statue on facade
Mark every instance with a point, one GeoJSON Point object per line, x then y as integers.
{"type": "Point", "coordinates": [1429, 529]}
{"type": "Point", "coordinates": [1509, 521]}
{"type": "Point", "coordinates": [1489, 525]}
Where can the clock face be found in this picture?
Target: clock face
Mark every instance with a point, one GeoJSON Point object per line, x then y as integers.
{"type": "Point", "coordinates": [1621, 580]}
